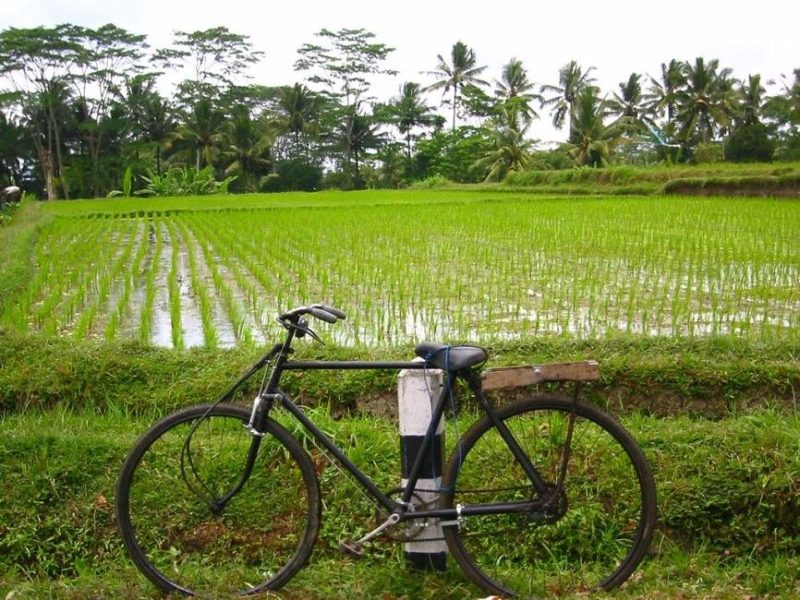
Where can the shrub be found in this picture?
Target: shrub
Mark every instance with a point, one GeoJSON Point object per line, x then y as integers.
{"type": "Point", "coordinates": [186, 181]}
{"type": "Point", "coordinates": [750, 143]}
{"type": "Point", "coordinates": [708, 153]}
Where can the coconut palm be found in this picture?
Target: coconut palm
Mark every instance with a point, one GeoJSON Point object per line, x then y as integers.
{"type": "Point", "coordinates": [356, 135]}
{"type": "Point", "coordinates": [454, 75]}
{"type": "Point", "coordinates": [298, 110]}
{"type": "Point", "coordinates": [409, 110]}
{"type": "Point", "coordinates": [592, 138]}
{"type": "Point", "coordinates": [705, 101]}
{"type": "Point", "coordinates": [150, 114]}
{"type": "Point", "coordinates": [511, 148]}
{"type": "Point", "coordinates": [663, 92]}
{"type": "Point", "coordinates": [515, 91]}
{"type": "Point", "coordinates": [202, 132]}
{"type": "Point", "coordinates": [571, 80]}
{"type": "Point", "coordinates": [750, 101]}
{"type": "Point", "coordinates": [630, 106]}
{"type": "Point", "coordinates": [247, 149]}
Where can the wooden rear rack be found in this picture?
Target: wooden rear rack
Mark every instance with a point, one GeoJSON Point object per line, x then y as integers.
{"type": "Point", "coordinates": [510, 377]}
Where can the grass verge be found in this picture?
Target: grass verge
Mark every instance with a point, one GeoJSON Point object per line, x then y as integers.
{"type": "Point", "coordinates": [728, 493]}
{"type": "Point", "coordinates": [660, 375]}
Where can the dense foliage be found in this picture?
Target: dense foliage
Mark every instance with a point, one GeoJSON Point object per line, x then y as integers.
{"type": "Point", "coordinates": [81, 107]}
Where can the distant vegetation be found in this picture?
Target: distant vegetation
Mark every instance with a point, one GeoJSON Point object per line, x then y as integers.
{"type": "Point", "coordinates": [82, 115]}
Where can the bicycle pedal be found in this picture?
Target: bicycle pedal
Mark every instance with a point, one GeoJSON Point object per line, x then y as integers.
{"type": "Point", "coordinates": [351, 549]}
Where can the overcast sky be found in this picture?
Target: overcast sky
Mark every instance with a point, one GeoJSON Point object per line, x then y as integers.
{"type": "Point", "coordinates": [616, 37]}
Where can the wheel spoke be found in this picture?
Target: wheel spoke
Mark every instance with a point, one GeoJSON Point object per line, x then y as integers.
{"type": "Point", "coordinates": [177, 534]}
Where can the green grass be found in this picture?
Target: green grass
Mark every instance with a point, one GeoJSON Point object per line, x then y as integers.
{"type": "Point", "coordinates": [663, 376]}
{"type": "Point", "coordinates": [727, 489]}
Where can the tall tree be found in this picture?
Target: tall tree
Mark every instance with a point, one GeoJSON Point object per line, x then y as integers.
{"type": "Point", "coordinates": [630, 107]}
{"type": "Point", "coordinates": [108, 56]}
{"type": "Point", "coordinates": [37, 63]}
{"type": "Point", "coordinates": [572, 79]}
{"type": "Point", "coordinates": [343, 63]}
{"type": "Point", "coordinates": [149, 114]}
{"type": "Point", "coordinates": [296, 118]}
{"type": "Point", "coordinates": [705, 101]}
{"type": "Point", "coordinates": [592, 138]}
{"type": "Point", "coordinates": [515, 92]}
{"type": "Point", "coordinates": [751, 97]}
{"type": "Point", "coordinates": [662, 94]}
{"type": "Point", "coordinates": [357, 135]}
{"type": "Point", "coordinates": [214, 60]}
{"type": "Point", "coordinates": [201, 133]}
{"type": "Point", "coordinates": [454, 75]}
{"type": "Point", "coordinates": [246, 149]}
{"type": "Point", "coordinates": [408, 111]}
{"type": "Point", "coordinates": [511, 149]}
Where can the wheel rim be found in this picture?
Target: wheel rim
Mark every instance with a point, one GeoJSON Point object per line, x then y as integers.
{"type": "Point", "coordinates": [178, 540]}
{"type": "Point", "coordinates": [595, 544]}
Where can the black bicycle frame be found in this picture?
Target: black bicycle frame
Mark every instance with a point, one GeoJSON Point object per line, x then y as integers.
{"type": "Point", "coordinates": [271, 392]}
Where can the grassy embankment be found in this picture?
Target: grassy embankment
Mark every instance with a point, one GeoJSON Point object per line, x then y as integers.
{"type": "Point", "coordinates": [727, 460]}
{"type": "Point", "coordinates": [778, 179]}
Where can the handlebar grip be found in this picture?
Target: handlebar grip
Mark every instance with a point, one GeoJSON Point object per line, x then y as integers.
{"type": "Point", "coordinates": [334, 311]}
{"type": "Point", "coordinates": [322, 314]}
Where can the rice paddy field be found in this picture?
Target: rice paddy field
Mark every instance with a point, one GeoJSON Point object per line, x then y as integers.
{"type": "Point", "coordinates": [412, 265]}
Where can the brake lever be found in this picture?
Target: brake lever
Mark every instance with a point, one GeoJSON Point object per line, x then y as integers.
{"type": "Point", "coordinates": [314, 335]}
{"type": "Point", "coordinates": [303, 329]}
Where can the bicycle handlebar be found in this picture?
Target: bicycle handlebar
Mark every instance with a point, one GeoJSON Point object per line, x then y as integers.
{"type": "Point", "coordinates": [323, 312]}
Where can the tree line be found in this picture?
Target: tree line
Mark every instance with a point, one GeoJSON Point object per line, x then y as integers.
{"type": "Point", "coordinates": [82, 115]}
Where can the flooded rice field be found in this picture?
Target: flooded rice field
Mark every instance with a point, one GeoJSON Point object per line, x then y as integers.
{"type": "Point", "coordinates": [476, 270]}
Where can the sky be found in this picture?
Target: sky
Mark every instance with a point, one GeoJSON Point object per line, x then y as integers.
{"type": "Point", "coordinates": [616, 37]}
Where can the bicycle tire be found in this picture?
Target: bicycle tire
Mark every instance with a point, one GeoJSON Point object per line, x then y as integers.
{"type": "Point", "coordinates": [264, 534]}
{"type": "Point", "coordinates": [609, 502]}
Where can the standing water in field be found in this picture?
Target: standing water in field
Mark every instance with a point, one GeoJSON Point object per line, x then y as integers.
{"type": "Point", "coordinates": [451, 267]}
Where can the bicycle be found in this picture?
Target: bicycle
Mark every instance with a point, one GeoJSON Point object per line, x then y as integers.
{"type": "Point", "coordinates": [544, 495]}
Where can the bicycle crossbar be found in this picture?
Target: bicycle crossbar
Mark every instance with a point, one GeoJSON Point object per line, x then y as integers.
{"type": "Point", "coordinates": [308, 365]}
{"type": "Point", "coordinates": [509, 377]}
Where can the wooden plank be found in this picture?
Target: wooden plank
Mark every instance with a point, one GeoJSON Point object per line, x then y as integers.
{"type": "Point", "coordinates": [509, 377]}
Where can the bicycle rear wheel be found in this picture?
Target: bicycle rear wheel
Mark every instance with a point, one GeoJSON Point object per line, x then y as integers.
{"type": "Point", "coordinates": [591, 536]}
{"type": "Point", "coordinates": [181, 540]}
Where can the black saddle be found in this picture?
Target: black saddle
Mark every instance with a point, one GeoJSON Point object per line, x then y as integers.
{"type": "Point", "coordinates": [450, 358]}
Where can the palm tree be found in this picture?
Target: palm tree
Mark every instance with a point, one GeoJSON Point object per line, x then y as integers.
{"type": "Point", "coordinates": [663, 92]}
{"type": "Point", "coordinates": [751, 100]}
{"type": "Point", "coordinates": [704, 103]}
{"type": "Point", "coordinates": [202, 132]}
{"type": "Point", "coordinates": [592, 138]}
{"type": "Point", "coordinates": [454, 75]}
{"type": "Point", "coordinates": [150, 115]}
{"type": "Point", "coordinates": [409, 110]}
{"type": "Point", "coordinates": [247, 150]}
{"type": "Point", "coordinates": [511, 149]}
{"type": "Point", "coordinates": [630, 107]}
{"type": "Point", "coordinates": [515, 91]}
{"type": "Point", "coordinates": [357, 134]}
{"type": "Point", "coordinates": [299, 108]}
{"type": "Point", "coordinates": [571, 80]}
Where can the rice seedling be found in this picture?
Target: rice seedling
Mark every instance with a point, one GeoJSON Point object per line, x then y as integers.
{"type": "Point", "coordinates": [148, 307]}
{"type": "Point", "coordinates": [458, 266]}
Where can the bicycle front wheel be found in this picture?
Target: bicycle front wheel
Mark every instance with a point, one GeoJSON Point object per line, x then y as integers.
{"type": "Point", "coordinates": [178, 526]}
{"type": "Point", "coordinates": [591, 535]}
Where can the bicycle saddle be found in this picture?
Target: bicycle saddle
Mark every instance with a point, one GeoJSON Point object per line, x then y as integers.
{"type": "Point", "coordinates": [450, 358]}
